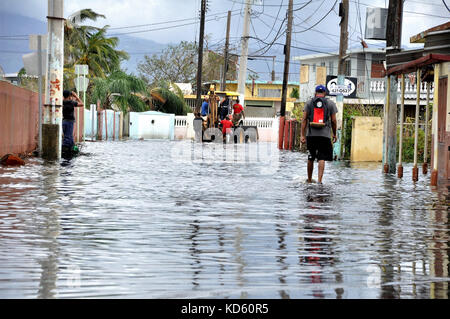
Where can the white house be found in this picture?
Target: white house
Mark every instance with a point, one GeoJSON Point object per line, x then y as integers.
{"type": "Point", "coordinates": [366, 66]}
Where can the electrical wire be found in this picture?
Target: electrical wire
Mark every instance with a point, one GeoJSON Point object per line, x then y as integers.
{"type": "Point", "coordinates": [319, 20]}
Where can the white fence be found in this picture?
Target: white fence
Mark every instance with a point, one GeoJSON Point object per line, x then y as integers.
{"type": "Point", "coordinates": [267, 127]}
{"type": "Point", "coordinates": [260, 122]}
{"type": "Point", "coordinates": [180, 120]}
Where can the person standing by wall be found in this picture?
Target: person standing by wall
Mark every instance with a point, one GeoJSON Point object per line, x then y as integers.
{"type": "Point", "coordinates": [70, 102]}
{"type": "Point", "coordinates": [319, 116]}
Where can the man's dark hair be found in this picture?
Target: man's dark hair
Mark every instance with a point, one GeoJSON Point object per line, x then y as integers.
{"type": "Point", "coordinates": [66, 93]}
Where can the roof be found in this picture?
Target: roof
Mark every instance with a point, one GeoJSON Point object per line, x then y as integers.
{"type": "Point", "coordinates": [412, 66]}
{"type": "Point", "coordinates": [332, 54]}
{"type": "Point", "coordinates": [420, 37]}
{"type": "Point", "coordinates": [259, 82]}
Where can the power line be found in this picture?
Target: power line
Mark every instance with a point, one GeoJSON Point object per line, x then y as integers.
{"type": "Point", "coordinates": [319, 20]}
{"type": "Point", "coordinates": [166, 28]}
{"type": "Point", "coordinates": [165, 22]}
{"type": "Point", "coordinates": [405, 11]}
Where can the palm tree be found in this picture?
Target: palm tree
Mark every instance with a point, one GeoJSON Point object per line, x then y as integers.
{"type": "Point", "coordinates": [100, 55]}
{"type": "Point", "coordinates": [89, 45]}
{"type": "Point", "coordinates": [120, 89]}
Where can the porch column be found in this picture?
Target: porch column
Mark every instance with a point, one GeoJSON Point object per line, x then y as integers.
{"type": "Point", "coordinates": [402, 112]}
{"type": "Point", "coordinates": [434, 173]}
{"type": "Point", "coordinates": [415, 175]}
{"type": "Point", "coordinates": [425, 147]}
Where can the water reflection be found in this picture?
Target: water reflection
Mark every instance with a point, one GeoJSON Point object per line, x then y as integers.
{"type": "Point", "coordinates": [130, 220]}
{"type": "Point", "coordinates": [317, 252]}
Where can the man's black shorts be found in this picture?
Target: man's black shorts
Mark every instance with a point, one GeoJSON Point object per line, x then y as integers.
{"type": "Point", "coordinates": [319, 148]}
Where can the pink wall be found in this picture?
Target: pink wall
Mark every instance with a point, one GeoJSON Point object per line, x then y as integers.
{"type": "Point", "coordinates": [19, 111]}
{"type": "Point", "coordinates": [19, 120]}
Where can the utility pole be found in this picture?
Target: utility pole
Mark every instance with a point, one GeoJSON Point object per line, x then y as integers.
{"type": "Point", "coordinates": [343, 44]}
{"type": "Point", "coordinates": [51, 128]}
{"type": "Point", "coordinates": [198, 103]}
{"type": "Point", "coordinates": [244, 53]}
{"type": "Point", "coordinates": [287, 56]}
{"type": "Point", "coordinates": [273, 69]}
{"type": "Point", "coordinates": [393, 44]}
{"type": "Point", "coordinates": [225, 55]}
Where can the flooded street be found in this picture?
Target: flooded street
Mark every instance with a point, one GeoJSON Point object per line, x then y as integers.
{"type": "Point", "coordinates": [161, 219]}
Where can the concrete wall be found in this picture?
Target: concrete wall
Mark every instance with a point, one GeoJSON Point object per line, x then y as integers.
{"type": "Point", "coordinates": [367, 139]}
{"type": "Point", "coordinates": [152, 125]}
{"type": "Point", "coordinates": [441, 125]}
{"type": "Point", "coordinates": [19, 119]}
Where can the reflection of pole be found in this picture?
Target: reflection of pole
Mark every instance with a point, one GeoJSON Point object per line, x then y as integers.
{"type": "Point", "coordinates": [51, 129]}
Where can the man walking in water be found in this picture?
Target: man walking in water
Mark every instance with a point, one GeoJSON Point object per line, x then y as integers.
{"type": "Point", "coordinates": [319, 116]}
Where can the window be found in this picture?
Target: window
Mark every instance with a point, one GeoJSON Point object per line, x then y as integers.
{"type": "Point", "coordinates": [331, 68]}
{"type": "Point", "coordinates": [269, 92]}
{"type": "Point", "coordinates": [348, 67]}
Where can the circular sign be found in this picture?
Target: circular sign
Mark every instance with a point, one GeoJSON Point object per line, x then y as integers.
{"type": "Point", "coordinates": [346, 89]}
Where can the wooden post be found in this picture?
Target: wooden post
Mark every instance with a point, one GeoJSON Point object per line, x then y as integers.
{"type": "Point", "coordinates": [393, 45]}
{"type": "Point", "coordinates": [198, 104]}
{"type": "Point", "coordinates": [400, 143]}
{"type": "Point", "coordinates": [415, 176]}
{"type": "Point", "coordinates": [287, 54]}
{"type": "Point", "coordinates": [286, 134]}
{"type": "Point", "coordinates": [434, 172]}
{"type": "Point", "coordinates": [386, 110]}
{"type": "Point", "coordinates": [99, 122]}
{"type": "Point", "coordinates": [291, 134]}
{"type": "Point", "coordinates": [225, 56]}
{"type": "Point", "coordinates": [106, 124]}
{"type": "Point", "coordinates": [114, 125]}
{"type": "Point", "coordinates": [425, 146]}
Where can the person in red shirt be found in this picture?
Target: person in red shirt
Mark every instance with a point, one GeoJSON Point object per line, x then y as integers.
{"type": "Point", "coordinates": [226, 127]}
{"type": "Point", "coordinates": [238, 112]}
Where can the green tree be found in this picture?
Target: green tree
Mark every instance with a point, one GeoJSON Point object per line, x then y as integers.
{"type": "Point", "coordinates": [178, 63]}
{"type": "Point", "coordinates": [89, 45]}
{"type": "Point", "coordinates": [119, 88]}
{"type": "Point", "coordinates": [168, 98]}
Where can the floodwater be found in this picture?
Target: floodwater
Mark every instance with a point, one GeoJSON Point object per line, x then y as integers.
{"type": "Point", "coordinates": [161, 219]}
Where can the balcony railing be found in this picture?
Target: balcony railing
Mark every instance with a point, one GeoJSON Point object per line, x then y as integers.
{"type": "Point", "coordinates": [378, 87]}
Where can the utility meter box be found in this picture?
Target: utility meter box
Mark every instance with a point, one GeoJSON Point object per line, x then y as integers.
{"type": "Point", "coordinates": [376, 21]}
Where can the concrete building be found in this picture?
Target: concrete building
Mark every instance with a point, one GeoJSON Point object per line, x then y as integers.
{"type": "Point", "coordinates": [365, 67]}
{"type": "Point", "coordinates": [432, 63]}
{"type": "Point", "coordinates": [262, 98]}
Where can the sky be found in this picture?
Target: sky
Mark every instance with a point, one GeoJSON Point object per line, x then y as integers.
{"type": "Point", "coordinates": [124, 16]}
